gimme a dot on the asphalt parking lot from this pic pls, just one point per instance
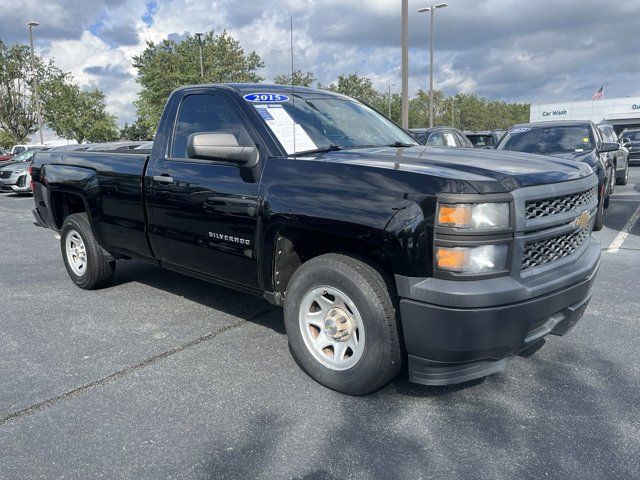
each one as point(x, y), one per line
point(163, 376)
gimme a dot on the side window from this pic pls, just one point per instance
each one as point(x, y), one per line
point(450, 139)
point(206, 114)
point(436, 139)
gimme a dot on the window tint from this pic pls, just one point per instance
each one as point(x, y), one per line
point(206, 114)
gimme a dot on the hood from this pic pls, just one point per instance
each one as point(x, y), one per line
point(589, 157)
point(14, 165)
point(486, 170)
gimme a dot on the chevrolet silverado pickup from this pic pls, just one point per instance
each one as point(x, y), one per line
point(383, 252)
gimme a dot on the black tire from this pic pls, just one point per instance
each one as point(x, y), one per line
point(624, 178)
point(607, 191)
point(374, 297)
point(99, 266)
point(599, 221)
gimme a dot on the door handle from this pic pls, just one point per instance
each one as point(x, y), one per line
point(163, 179)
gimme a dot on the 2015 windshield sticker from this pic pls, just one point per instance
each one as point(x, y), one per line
point(519, 130)
point(266, 98)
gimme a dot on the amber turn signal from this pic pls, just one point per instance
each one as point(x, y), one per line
point(454, 215)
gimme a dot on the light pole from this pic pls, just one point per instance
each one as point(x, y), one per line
point(199, 37)
point(389, 98)
point(35, 79)
point(405, 63)
point(431, 10)
point(453, 109)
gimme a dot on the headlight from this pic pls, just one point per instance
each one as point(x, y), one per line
point(484, 259)
point(19, 172)
point(474, 216)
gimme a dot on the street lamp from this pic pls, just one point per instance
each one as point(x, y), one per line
point(35, 79)
point(199, 37)
point(389, 97)
point(431, 10)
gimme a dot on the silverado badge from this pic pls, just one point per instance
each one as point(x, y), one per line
point(583, 220)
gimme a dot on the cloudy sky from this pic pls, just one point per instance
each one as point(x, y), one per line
point(516, 50)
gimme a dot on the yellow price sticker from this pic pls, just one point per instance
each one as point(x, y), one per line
point(585, 139)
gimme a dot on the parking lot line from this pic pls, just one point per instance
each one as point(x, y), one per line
point(614, 247)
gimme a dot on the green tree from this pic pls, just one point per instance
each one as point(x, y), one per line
point(419, 110)
point(358, 87)
point(6, 139)
point(78, 114)
point(138, 130)
point(167, 65)
point(300, 79)
point(17, 102)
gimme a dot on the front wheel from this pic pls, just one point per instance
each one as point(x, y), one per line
point(87, 264)
point(341, 321)
point(598, 223)
point(624, 178)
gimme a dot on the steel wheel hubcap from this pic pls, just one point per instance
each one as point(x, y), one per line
point(331, 328)
point(76, 253)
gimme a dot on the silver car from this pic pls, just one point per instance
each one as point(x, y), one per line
point(14, 175)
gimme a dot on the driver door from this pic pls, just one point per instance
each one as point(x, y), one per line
point(203, 213)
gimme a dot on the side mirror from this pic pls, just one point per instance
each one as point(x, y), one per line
point(626, 140)
point(608, 147)
point(222, 147)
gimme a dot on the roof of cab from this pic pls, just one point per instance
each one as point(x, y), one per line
point(244, 88)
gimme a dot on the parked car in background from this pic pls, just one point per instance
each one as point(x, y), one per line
point(631, 141)
point(115, 146)
point(441, 137)
point(78, 147)
point(4, 155)
point(620, 157)
point(485, 138)
point(14, 175)
point(16, 149)
point(574, 140)
point(145, 146)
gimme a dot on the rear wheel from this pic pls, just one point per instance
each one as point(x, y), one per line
point(87, 264)
point(342, 325)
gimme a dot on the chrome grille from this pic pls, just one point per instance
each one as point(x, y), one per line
point(551, 249)
point(555, 205)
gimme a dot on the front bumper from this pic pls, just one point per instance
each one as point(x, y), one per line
point(475, 328)
point(7, 184)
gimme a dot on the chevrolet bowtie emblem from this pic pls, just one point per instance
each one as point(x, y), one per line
point(583, 220)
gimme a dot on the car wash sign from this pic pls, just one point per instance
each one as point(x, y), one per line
point(559, 112)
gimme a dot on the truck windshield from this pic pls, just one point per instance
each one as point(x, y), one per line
point(547, 140)
point(304, 122)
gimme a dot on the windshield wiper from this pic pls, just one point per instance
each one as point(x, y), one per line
point(329, 148)
point(402, 144)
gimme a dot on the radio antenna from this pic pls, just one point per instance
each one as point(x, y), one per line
point(293, 97)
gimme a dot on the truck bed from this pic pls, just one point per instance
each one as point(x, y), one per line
point(112, 187)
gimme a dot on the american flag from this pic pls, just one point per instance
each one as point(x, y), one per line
point(599, 93)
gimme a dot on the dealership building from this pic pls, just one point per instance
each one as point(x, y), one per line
point(620, 112)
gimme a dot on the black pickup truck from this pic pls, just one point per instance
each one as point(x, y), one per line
point(381, 251)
